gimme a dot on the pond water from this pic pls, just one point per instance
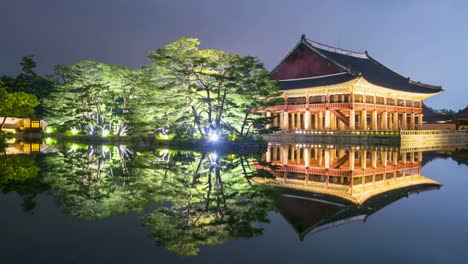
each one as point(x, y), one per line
point(71, 203)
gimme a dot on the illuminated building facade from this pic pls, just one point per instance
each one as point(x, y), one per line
point(327, 88)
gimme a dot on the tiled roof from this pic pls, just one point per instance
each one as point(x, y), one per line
point(356, 64)
point(315, 81)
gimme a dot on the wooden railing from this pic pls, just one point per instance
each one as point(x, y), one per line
point(340, 106)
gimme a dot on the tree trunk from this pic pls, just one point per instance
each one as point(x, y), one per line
point(3, 122)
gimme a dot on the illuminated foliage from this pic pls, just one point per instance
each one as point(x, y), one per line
point(16, 104)
point(91, 97)
point(214, 91)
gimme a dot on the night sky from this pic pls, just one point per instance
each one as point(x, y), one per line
point(426, 40)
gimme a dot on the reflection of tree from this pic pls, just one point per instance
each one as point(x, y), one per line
point(90, 182)
point(18, 174)
point(201, 199)
point(208, 202)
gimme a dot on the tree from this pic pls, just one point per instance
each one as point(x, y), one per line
point(17, 104)
point(215, 90)
point(28, 81)
point(92, 97)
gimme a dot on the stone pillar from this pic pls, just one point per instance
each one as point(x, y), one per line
point(420, 121)
point(327, 119)
point(374, 120)
point(364, 120)
point(285, 121)
point(275, 121)
point(352, 115)
point(351, 160)
point(275, 153)
point(307, 120)
point(404, 121)
point(411, 157)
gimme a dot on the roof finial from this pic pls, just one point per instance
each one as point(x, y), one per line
point(303, 37)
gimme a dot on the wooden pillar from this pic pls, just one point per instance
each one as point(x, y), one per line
point(384, 121)
point(390, 122)
point(363, 156)
point(293, 121)
point(320, 120)
point(268, 114)
point(306, 157)
point(327, 119)
point(327, 158)
point(351, 160)
point(383, 158)
point(285, 121)
point(364, 120)
point(395, 157)
point(299, 121)
point(285, 150)
point(420, 121)
point(374, 158)
point(352, 125)
point(275, 120)
point(341, 125)
point(396, 125)
point(412, 121)
point(316, 121)
point(374, 120)
point(404, 121)
point(307, 120)
point(268, 154)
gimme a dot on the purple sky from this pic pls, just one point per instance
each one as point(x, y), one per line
point(426, 40)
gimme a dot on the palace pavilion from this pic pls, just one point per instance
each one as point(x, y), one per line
point(327, 88)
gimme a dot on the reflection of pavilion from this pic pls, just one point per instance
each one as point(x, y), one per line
point(353, 174)
point(23, 148)
point(326, 186)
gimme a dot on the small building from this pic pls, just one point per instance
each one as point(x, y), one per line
point(14, 124)
point(327, 88)
point(462, 119)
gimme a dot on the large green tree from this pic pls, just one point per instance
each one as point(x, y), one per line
point(214, 91)
point(92, 97)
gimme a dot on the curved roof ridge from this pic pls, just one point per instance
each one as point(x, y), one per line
point(428, 85)
point(362, 55)
point(400, 75)
point(313, 77)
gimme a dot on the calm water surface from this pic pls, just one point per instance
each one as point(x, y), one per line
point(292, 204)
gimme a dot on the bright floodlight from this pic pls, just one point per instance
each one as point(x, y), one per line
point(213, 137)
